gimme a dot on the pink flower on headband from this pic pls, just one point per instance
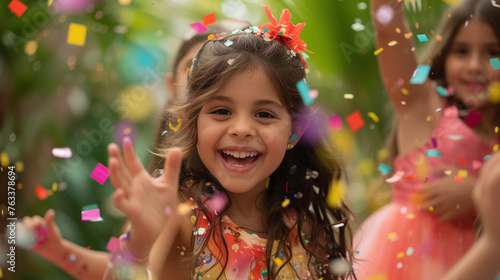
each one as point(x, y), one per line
point(285, 32)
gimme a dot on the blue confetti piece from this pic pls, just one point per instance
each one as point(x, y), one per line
point(433, 153)
point(384, 169)
point(420, 74)
point(228, 43)
point(498, 277)
point(487, 157)
point(304, 92)
point(442, 91)
point(294, 137)
point(495, 62)
point(422, 38)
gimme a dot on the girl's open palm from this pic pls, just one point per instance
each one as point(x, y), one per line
point(143, 198)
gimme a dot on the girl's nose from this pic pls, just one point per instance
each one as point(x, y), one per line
point(242, 127)
point(474, 63)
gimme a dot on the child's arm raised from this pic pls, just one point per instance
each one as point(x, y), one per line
point(144, 199)
point(75, 260)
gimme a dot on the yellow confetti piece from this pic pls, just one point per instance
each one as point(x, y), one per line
point(398, 30)
point(417, 25)
point(391, 235)
point(278, 262)
point(31, 47)
point(210, 37)
point(285, 203)
point(179, 122)
point(124, 2)
point(1, 273)
point(496, 129)
point(187, 72)
point(19, 166)
point(348, 96)
point(495, 148)
point(431, 208)
point(4, 159)
point(54, 186)
point(439, 37)
point(335, 194)
point(494, 92)
point(267, 182)
point(408, 35)
point(20, 186)
point(410, 216)
point(77, 34)
point(392, 43)
point(400, 255)
point(405, 91)
point(382, 154)
point(373, 116)
point(377, 277)
point(462, 173)
point(378, 51)
point(50, 3)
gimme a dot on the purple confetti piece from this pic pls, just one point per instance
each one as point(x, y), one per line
point(434, 142)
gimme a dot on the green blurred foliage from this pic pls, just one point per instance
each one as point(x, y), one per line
point(54, 94)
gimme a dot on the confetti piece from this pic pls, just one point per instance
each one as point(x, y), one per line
point(392, 236)
point(434, 142)
point(384, 14)
point(217, 202)
point(396, 177)
point(198, 27)
point(495, 147)
point(336, 193)
point(455, 137)
point(313, 93)
point(442, 91)
point(77, 34)
point(476, 164)
point(4, 159)
point(100, 173)
point(433, 153)
point(339, 266)
point(392, 43)
point(405, 91)
point(285, 203)
point(304, 92)
point(113, 245)
point(420, 74)
point(355, 121)
point(494, 92)
point(89, 215)
point(168, 211)
point(348, 96)
point(54, 187)
point(183, 209)
point(462, 173)
point(408, 35)
point(373, 116)
point(422, 38)
point(473, 118)
point(378, 51)
point(382, 154)
point(62, 152)
point(179, 122)
point(409, 251)
point(495, 62)
point(400, 255)
point(335, 122)
point(278, 262)
point(17, 7)
point(377, 277)
point(462, 160)
point(384, 169)
point(230, 61)
point(228, 43)
point(41, 192)
point(459, 179)
point(209, 19)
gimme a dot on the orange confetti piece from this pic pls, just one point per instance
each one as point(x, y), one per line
point(459, 179)
point(209, 19)
point(41, 192)
point(408, 35)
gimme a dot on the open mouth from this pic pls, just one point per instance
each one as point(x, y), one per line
point(239, 159)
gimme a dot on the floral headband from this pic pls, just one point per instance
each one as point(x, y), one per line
point(285, 33)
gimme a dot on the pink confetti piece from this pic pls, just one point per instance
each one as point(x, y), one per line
point(476, 164)
point(168, 211)
point(62, 152)
point(113, 245)
point(100, 173)
point(89, 215)
point(216, 202)
point(198, 27)
point(335, 122)
point(384, 14)
point(396, 177)
point(313, 93)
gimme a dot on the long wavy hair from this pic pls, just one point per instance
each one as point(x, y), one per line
point(213, 66)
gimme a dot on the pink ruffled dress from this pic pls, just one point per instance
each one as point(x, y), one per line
point(400, 242)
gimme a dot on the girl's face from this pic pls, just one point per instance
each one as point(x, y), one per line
point(467, 65)
point(243, 132)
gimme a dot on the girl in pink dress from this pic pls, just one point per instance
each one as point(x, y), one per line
point(446, 126)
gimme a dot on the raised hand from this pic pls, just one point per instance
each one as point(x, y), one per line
point(47, 241)
point(449, 199)
point(141, 197)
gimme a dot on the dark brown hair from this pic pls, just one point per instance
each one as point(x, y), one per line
point(210, 71)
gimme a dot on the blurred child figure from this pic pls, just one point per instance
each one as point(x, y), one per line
point(248, 198)
point(445, 126)
point(78, 261)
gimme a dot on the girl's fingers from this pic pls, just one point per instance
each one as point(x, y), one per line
point(114, 152)
point(133, 162)
point(120, 201)
point(118, 181)
point(172, 167)
point(52, 228)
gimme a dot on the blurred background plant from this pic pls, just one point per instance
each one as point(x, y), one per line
point(105, 78)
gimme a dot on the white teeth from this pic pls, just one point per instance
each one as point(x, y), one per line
point(240, 154)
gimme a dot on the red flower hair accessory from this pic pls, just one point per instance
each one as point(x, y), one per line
point(285, 32)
